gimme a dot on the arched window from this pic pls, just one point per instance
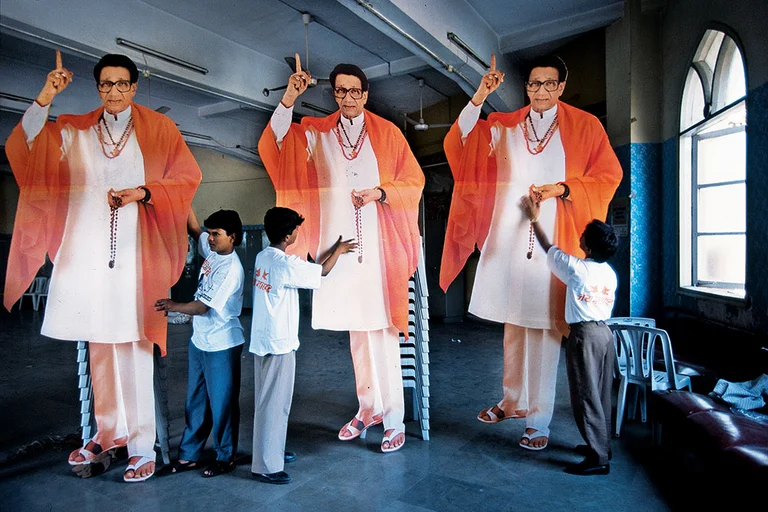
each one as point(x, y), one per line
point(713, 169)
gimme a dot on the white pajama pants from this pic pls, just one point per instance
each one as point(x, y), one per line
point(378, 377)
point(124, 395)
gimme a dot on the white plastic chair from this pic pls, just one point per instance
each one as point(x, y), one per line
point(37, 286)
point(621, 360)
point(43, 294)
point(632, 320)
point(637, 344)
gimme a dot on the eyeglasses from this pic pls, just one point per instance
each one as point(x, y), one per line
point(549, 85)
point(122, 85)
point(341, 93)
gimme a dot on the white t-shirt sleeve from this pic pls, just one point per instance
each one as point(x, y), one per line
point(303, 274)
point(33, 121)
point(468, 118)
point(563, 265)
point(202, 245)
point(281, 121)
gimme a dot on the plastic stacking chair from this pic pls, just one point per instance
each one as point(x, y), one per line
point(43, 293)
point(637, 344)
point(621, 359)
point(632, 320)
point(34, 291)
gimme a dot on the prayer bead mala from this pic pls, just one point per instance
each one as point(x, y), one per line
point(356, 147)
point(117, 146)
point(359, 227)
point(542, 143)
point(531, 236)
point(117, 202)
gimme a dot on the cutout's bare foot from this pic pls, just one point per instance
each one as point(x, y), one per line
point(496, 414)
point(355, 427)
point(85, 454)
point(91, 450)
point(393, 440)
point(534, 439)
point(139, 469)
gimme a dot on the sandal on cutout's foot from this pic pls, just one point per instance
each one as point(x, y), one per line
point(355, 427)
point(135, 468)
point(89, 452)
point(528, 437)
point(389, 438)
point(496, 414)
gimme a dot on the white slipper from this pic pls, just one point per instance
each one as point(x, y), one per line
point(355, 431)
point(528, 436)
point(88, 455)
point(134, 467)
point(389, 439)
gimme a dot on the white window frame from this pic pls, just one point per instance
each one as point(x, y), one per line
point(695, 127)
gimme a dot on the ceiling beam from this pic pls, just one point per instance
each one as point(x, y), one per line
point(423, 31)
point(396, 68)
point(221, 107)
point(560, 28)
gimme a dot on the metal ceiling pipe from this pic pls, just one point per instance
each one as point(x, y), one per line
point(448, 67)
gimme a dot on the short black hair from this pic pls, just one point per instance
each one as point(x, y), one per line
point(349, 69)
point(548, 61)
point(601, 240)
point(229, 221)
point(280, 222)
point(116, 60)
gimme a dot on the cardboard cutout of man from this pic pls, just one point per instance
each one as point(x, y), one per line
point(106, 196)
point(352, 173)
point(561, 157)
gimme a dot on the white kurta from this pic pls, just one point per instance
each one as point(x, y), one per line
point(351, 297)
point(86, 299)
point(508, 287)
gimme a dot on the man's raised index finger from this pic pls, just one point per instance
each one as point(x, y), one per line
point(58, 60)
point(298, 63)
point(493, 62)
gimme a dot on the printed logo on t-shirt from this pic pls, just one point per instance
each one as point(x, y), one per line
point(260, 281)
point(597, 296)
point(205, 282)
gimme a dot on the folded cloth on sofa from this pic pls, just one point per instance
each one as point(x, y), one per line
point(742, 395)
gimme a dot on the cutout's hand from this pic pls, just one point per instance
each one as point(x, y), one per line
point(56, 81)
point(490, 82)
point(120, 198)
point(361, 198)
point(297, 84)
point(547, 191)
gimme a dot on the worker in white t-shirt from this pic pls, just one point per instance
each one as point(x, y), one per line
point(589, 353)
point(213, 384)
point(277, 278)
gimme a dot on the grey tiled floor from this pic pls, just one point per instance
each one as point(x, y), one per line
point(466, 465)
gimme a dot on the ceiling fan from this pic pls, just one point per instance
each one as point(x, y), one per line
point(421, 125)
point(306, 18)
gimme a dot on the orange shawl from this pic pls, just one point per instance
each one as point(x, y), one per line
point(592, 172)
point(172, 176)
point(296, 183)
